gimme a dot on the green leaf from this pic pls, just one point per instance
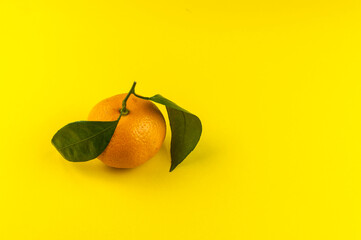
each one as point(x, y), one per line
point(186, 130)
point(84, 140)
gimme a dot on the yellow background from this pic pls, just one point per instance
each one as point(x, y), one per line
point(276, 84)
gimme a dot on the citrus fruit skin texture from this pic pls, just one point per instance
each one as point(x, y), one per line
point(138, 136)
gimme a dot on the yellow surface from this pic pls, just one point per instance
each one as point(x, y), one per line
point(276, 84)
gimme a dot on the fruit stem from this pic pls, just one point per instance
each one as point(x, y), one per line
point(124, 111)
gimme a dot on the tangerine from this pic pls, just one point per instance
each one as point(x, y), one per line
point(138, 136)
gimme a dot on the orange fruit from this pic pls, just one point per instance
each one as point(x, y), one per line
point(138, 135)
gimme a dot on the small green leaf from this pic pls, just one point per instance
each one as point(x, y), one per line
point(84, 140)
point(186, 130)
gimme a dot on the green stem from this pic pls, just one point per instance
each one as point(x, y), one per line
point(138, 96)
point(124, 111)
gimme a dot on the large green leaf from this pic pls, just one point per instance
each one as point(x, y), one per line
point(84, 140)
point(186, 130)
